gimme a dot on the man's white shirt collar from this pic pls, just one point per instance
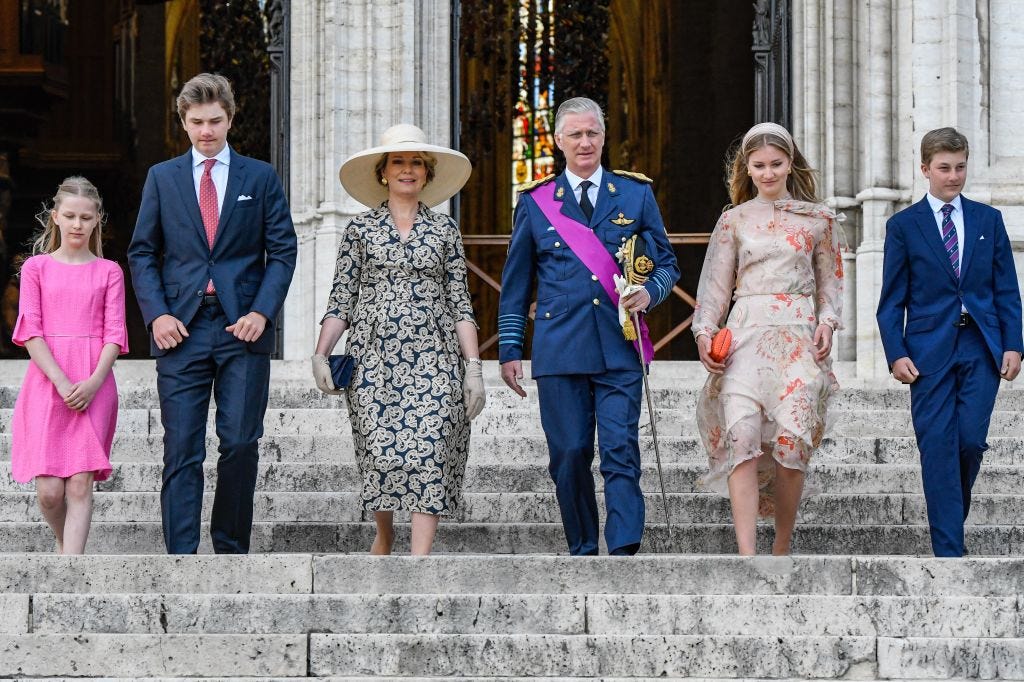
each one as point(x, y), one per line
point(937, 204)
point(224, 156)
point(575, 180)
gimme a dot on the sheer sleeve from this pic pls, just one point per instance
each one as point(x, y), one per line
point(457, 285)
point(828, 275)
point(717, 277)
point(349, 266)
point(30, 312)
point(114, 328)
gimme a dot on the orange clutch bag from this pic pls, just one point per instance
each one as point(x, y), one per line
point(720, 345)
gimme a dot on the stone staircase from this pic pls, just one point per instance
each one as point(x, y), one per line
point(497, 600)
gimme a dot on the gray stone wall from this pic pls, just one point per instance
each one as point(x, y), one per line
point(357, 69)
point(870, 78)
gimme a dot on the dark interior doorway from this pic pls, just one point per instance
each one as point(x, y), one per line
point(677, 79)
point(88, 88)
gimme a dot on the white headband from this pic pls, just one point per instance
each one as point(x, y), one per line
point(769, 128)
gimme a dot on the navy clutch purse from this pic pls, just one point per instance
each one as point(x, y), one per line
point(341, 369)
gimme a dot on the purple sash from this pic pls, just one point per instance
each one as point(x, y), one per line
point(589, 249)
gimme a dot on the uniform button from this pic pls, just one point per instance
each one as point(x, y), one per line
point(199, 293)
point(547, 314)
point(623, 240)
point(557, 244)
point(211, 261)
point(593, 277)
point(597, 302)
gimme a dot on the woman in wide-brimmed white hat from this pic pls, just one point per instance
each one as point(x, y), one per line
point(400, 287)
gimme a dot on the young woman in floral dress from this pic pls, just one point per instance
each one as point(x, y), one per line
point(775, 254)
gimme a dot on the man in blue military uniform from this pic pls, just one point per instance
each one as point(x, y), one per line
point(587, 373)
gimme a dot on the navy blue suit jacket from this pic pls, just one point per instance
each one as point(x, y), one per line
point(572, 335)
point(921, 295)
point(253, 254)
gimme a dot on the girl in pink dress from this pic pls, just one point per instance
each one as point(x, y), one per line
point(71, 321)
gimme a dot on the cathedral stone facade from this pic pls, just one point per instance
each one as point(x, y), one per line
point(867, 80)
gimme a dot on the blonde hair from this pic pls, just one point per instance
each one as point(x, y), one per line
point(48, 240)
point(800, 183)
point(943, 140)
point(203, 89)
point(429, 160)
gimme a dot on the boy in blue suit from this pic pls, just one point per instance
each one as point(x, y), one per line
point(950, 320)
point(587, 373)
point(211, 258)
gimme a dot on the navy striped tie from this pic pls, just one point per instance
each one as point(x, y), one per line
point(949, 238)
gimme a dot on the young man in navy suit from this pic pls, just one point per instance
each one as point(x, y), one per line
point(950, 321)
point(211, 259)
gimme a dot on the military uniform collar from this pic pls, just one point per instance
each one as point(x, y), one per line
point(575, 180)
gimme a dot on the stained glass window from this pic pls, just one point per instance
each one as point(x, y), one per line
point(533, 139)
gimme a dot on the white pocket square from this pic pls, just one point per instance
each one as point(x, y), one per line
point(243, 197)
point(550, 229)
point(981, 237)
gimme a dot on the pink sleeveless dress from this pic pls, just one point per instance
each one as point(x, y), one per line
point(76, 309)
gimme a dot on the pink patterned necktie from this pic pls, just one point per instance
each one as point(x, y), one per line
point(208, 208)
point(949, 239)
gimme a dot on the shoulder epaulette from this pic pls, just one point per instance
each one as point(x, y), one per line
point(533, 184)
point(639, 177)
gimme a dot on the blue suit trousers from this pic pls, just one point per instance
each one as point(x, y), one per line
point(951, 410)
point(570, 408)
point(210, 357)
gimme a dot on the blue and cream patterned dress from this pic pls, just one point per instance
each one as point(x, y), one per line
point(402, 300)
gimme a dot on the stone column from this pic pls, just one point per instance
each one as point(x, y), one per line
point(877, 194)
point(824, 83)
point(358, 67)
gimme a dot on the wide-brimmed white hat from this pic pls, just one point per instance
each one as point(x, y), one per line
point(450, 173)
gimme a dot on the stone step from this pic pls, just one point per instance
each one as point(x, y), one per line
point(519, 538)
point(825, 477)
point(591, 655)
point(224, 574)
point(173, 658)
point(96, 655)
point(305, 507)
point(533, 449)
point(302, 614)
point(644, 574)
point(857, 423)
point(321, 421)
point(666, 392)
point(563, 614)
point(668, 656)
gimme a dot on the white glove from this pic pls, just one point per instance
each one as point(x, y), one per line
point(322, 376)
point(624, 289)
point(473, 390)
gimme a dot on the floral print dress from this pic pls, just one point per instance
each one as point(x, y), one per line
point(402, 300)
point(781, 264)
